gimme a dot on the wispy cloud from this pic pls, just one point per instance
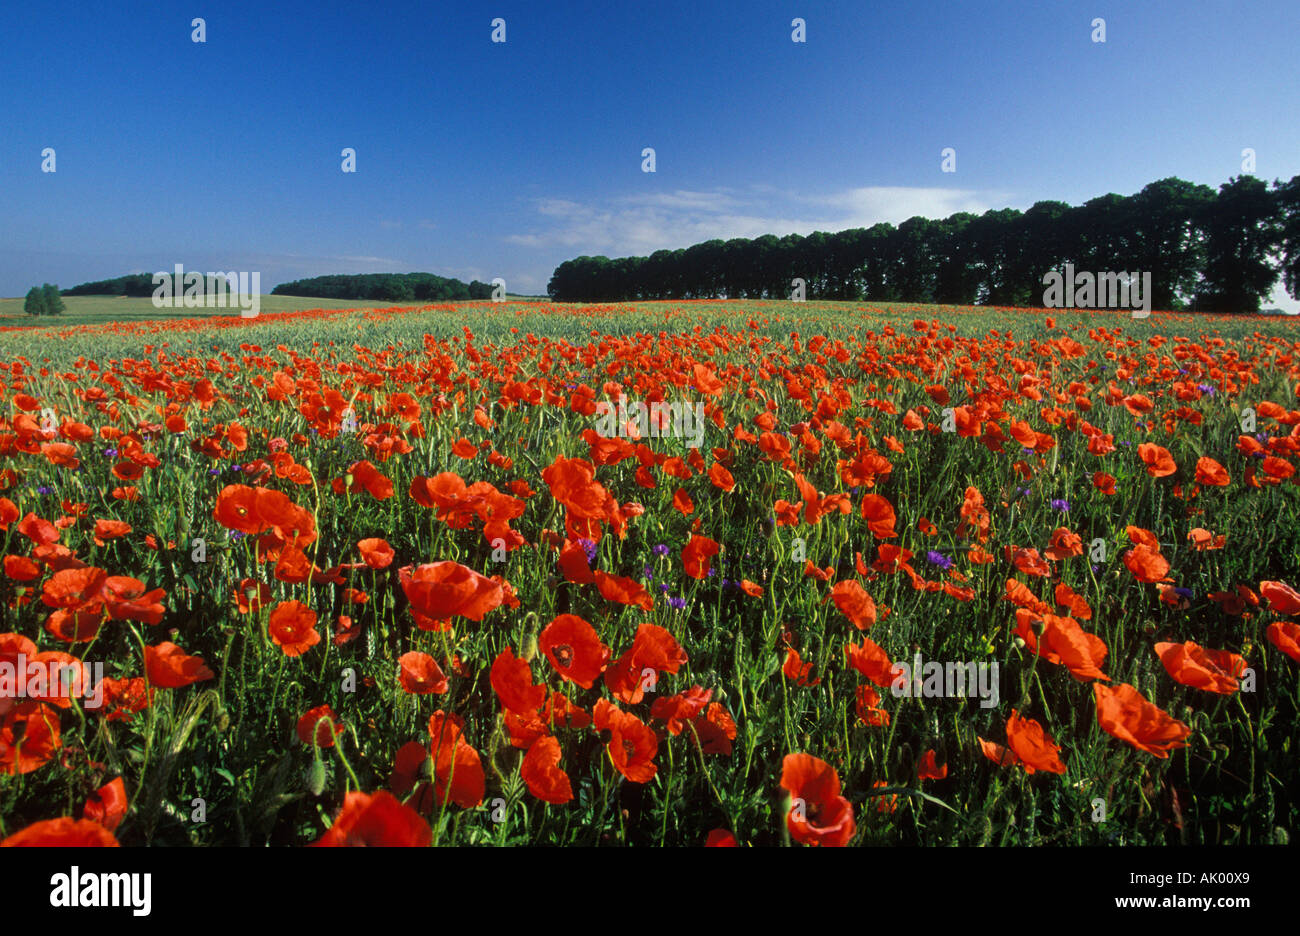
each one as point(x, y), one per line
point(643, 223)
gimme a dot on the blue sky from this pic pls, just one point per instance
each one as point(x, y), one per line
point(478, 159)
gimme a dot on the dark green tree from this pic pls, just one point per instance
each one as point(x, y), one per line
point(34, 304)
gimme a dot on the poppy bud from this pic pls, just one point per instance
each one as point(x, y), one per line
point(529, 649)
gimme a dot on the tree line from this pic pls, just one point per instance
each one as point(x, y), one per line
point(395, 287)
point(1207, 251)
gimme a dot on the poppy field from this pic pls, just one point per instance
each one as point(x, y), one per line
point(386, 577)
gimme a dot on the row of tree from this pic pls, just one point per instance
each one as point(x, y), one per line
point(44, 300)
point(395, 287)
point(134, 284)
point(1206, 250)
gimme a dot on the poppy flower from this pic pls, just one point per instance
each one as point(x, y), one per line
point(512, 680)
point(378, 819)
point(623, 590)
point(168, 667)
point(928, 768)
point(252, 596)
point(696, 555)
point(678, 709)
point(796, 670)
point(541, 771)
point(321, 723)
point(64, 832)
point(654, 651)
point(632, 744)
point(1159, 462)
point(721, 478)
point(1104, 483)
point(376, 553)
point(867, 706)
point(21, 569)
point(854, 603)
point(110, 530)
point(818, 815)
point(574, 649)
point(1064, 544)
point(107, 805)
point(1123, 712)
point(1285, 635)
point(713, 729)
point(439, 590)
point(292, 627)
point(420, 674)
point(1282, 598)
point(720, 838)
point(1146, 564)
point(1211, 670)
point(1210, 473)
point(128, 599)
point(1033, 745)
point(871, 661)
point(29, 736)
point(458, 770)
point(236, 509)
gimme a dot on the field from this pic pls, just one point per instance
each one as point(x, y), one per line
point(103, 310)
point(394, 575)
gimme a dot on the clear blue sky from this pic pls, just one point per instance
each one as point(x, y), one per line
point(477, 159)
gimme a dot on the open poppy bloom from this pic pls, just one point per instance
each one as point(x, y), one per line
point(1193, 665)
point(1033, 745)
point(1146, 564)
point(168, 667)
point(574, 649)
point(696, 555)
point(818, 814)
point(420, 674)
point(854, 603)
point(1159, 462)
point(378, 819)
point(439, 590)
point(107, 805)
point(64, 832)
point(1123, 712)
point(623, 590)
point(512, 680)
point(541, 771)
point(1285, 635)
point(292, 627)
point(320, 723)
point(632, 743)
point(29, 736)
point(458, 770)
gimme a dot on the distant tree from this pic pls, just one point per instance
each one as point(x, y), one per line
point(35, 302)
point(53, 301)
point(1288, 198)
point(1243, 230)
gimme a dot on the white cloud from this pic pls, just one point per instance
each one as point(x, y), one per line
point(644, 223)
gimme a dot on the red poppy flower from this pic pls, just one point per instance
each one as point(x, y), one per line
point(871, 661)
point(321, 723)
point(1033, 745)
point(65, 832)
point(1282, 598)
point(1146, 564)
point(420, 674)
point(1193, 665)
point(623, 590)
point(1123, 712)
point(541, 771)
point(1104, 483)
point(574, 649)
point(512, 680)
point(379, 819)
point(292, 627)
point(439, 590)
point(29, 736)
point(107, 805)
point(854, 603)
point(818, 815)
point(168, 667)
point(654, 651)
point(720, 838)
point(1210, 473)
point(796, 670)
point(1159, 462)
point(928, 767)
point(1285, 635)
point(632, 744)
point(458, 770)
point(696, 555)
point(376, 553)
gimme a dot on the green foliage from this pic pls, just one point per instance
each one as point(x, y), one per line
point(53, 301)
point(35, 303)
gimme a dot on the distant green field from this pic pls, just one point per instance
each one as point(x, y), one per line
point(94, 310)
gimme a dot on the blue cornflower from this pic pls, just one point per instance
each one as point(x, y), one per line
point(661, 550)
point(589, 547)
point(677, 603)
point(1058, 504)
point(44, 490)
point(647, 573)
point(938, 559)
